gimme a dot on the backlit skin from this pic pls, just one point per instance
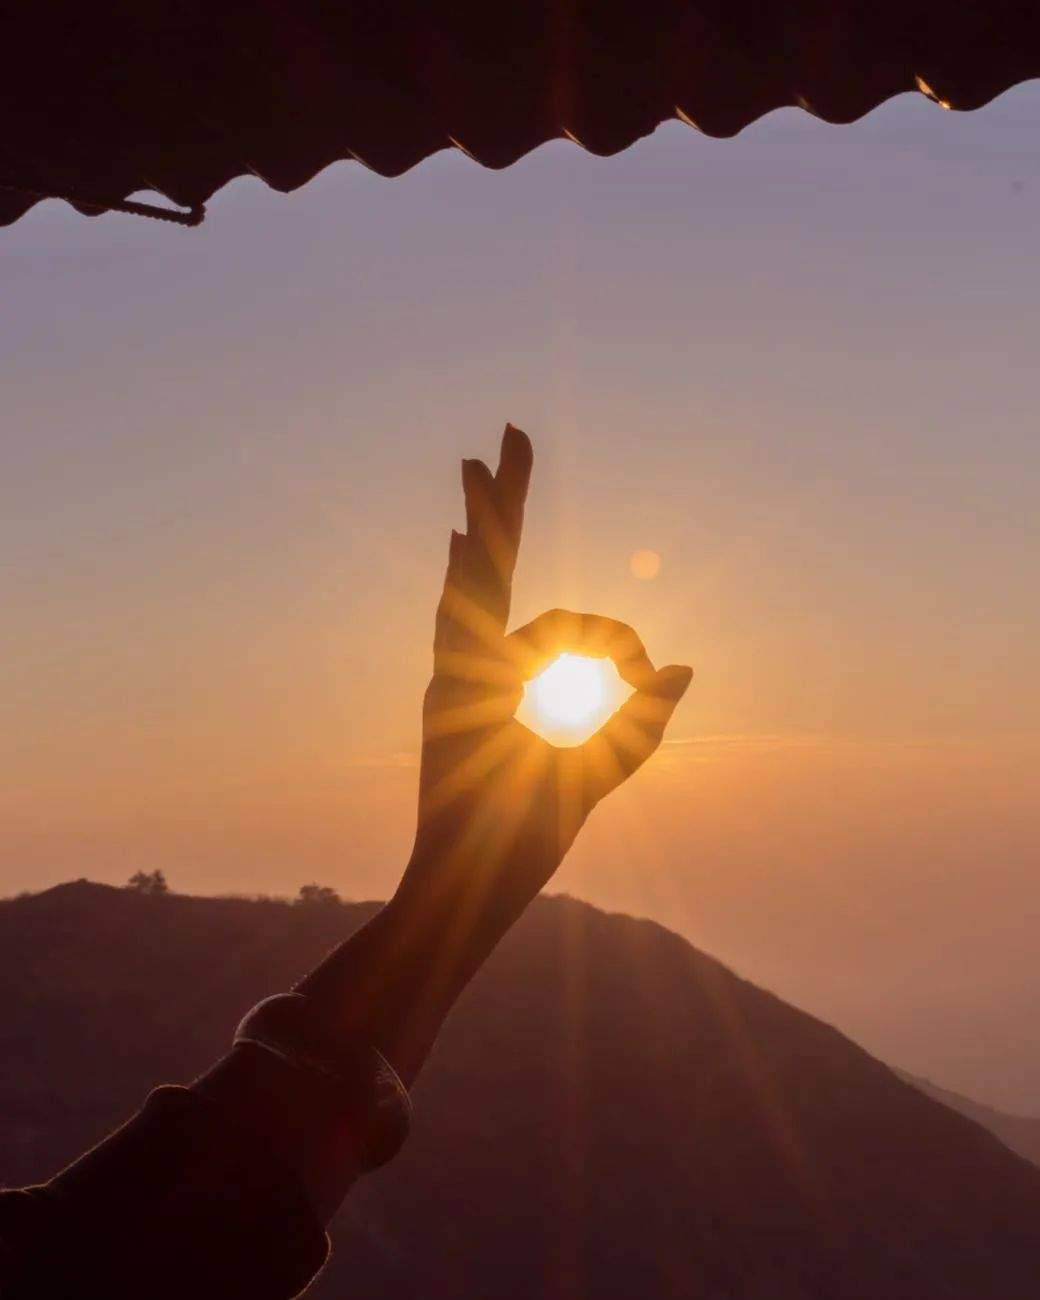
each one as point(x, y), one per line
point(499, 806)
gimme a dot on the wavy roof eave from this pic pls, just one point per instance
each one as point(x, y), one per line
point(189, 94)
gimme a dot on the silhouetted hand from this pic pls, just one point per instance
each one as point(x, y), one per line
point(499, 806)
point(498, 809)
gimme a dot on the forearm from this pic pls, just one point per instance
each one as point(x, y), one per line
point(202, 1172)
point(389, 986)
point(394, 981)
point(281, 1109)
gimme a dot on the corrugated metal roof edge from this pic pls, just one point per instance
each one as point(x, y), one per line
point(15, 203)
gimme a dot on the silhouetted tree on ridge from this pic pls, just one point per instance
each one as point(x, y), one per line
point(148, 882)
point(314, 894)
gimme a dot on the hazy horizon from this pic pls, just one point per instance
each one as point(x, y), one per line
point(799, 365)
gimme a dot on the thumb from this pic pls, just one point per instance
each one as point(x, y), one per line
point(636, 730)
point(671, 682)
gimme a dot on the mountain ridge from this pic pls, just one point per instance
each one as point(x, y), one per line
point(1019, 1133)
point(609, 1112)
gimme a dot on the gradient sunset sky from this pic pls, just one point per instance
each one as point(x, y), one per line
point(799, 365)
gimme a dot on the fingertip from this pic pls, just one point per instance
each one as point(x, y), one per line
point(674, 680)
point(516, 437)
point(517, 455)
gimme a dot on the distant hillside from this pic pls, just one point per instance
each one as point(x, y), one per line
point(1019, 1132)
point(610, 1114)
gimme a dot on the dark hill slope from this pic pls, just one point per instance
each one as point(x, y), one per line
point(1019, 1132)
point(609, 1114)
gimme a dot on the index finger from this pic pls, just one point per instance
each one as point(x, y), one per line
point(627, 740)
point(512, 480)
point(539, 642)
point(474, 608)
point(494, 521)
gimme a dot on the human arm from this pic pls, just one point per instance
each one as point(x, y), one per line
point(498, 806)
point(258, 1153)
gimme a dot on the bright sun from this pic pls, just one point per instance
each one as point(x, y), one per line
point(571, 699)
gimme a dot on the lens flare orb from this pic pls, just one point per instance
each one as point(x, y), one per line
point(644, 565)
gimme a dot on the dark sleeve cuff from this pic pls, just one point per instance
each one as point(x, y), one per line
point(177, 1202)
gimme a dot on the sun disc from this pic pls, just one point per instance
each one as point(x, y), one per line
point(571, 699)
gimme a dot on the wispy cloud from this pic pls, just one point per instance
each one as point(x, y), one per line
point(753, 741)
point(401, 759)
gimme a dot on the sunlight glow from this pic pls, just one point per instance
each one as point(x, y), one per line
point(571, 699)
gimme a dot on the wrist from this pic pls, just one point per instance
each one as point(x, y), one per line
point(352, 1075)
point(388, 985)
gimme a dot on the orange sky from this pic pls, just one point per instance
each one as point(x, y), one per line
point(799, 365)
